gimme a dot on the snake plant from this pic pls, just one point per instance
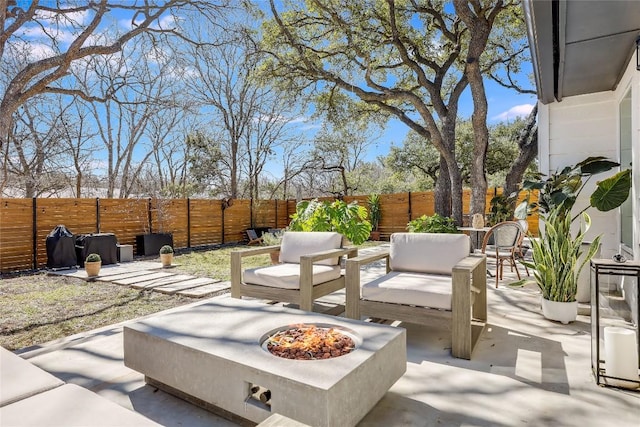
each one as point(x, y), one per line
point(556, 256)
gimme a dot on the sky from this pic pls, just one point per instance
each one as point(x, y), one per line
point(504, 105)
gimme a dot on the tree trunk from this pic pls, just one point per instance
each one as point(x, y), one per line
point(479, 28)
point(528, 145)
point(451, 169)
point(442, 193)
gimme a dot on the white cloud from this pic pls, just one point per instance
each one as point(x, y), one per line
point(310, 127)
point(299, 119)
point(522, 110)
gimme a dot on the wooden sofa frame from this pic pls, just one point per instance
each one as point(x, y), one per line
point(305, 295)
point(468, 313)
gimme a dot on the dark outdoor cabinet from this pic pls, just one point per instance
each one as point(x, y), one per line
point(150, 244)
point(61, 248)
point(103, 244)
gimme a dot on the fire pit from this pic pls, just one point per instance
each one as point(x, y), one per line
point(215, 355)
point(309, 342)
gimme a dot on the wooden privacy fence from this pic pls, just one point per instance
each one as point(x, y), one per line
point(25, 223)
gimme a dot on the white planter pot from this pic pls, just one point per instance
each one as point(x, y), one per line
point(563, 312)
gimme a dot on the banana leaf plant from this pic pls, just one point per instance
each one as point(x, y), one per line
point(350, 220)
point(556, 252)
point(561, 189)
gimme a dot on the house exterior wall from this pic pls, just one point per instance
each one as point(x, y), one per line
point(588, 125)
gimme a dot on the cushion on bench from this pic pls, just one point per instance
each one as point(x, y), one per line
point(70, 406)
point(418, 289)
point(298, 243)
point(432, 253)
point(287, 276)
point(20, 379)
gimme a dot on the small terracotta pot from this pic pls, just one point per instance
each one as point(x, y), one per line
point(275, 257)
point(92, 268)
point(166, 259)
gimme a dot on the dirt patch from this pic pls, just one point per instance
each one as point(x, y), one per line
point(35, 309)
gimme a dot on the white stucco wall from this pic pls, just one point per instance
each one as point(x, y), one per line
point(588, 125)
point(574, 129)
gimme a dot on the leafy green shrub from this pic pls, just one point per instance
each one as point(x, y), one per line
point(350, 220)
point(93, 258)
point(166, 249)
point(272, 238)
point(432, 224)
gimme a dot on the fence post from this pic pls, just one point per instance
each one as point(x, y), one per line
point(251, 212)
point(409, 210)
point(149, 215)
point(222, 206)
point(276, 226)
point(97, 214)
point(34, 236)
point(188, 222)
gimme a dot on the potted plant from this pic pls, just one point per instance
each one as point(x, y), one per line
point(558, 255)
point(273, 238)
point(557, 264)
point(92, 264)
point(375, 214)
point(435, 223)
point(350, 220)
point(166, 255)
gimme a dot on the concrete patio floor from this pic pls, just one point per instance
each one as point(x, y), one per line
point(526, 370)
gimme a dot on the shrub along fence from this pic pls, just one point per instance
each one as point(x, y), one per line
point(25, 223)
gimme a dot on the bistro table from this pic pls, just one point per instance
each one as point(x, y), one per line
point(477, 243)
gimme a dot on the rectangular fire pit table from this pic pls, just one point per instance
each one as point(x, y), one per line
point(212, 355)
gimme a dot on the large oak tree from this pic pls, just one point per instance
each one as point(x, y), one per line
point(412, 59)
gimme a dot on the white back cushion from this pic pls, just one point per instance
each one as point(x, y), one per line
point(435, 253)
point(298, 243)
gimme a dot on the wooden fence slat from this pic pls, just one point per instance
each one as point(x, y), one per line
point(209, 223)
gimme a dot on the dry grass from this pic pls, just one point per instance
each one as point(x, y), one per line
point(39, 308)
point(216, 263)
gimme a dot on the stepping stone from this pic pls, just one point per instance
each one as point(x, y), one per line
point(192, 282)
point(142, 278)
point(205, 290)
point(124, 276)
point(113, 270)
point(162, 281)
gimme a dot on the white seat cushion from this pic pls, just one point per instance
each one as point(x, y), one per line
point(423, 290)
point(490, 251)
point(70, 406)
point(298, 243)
point(19, 379)
point(432, 253)
point(287, 276)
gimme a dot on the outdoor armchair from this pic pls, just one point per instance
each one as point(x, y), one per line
point(309, 268)
point(253, 237)
point(429, 276)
